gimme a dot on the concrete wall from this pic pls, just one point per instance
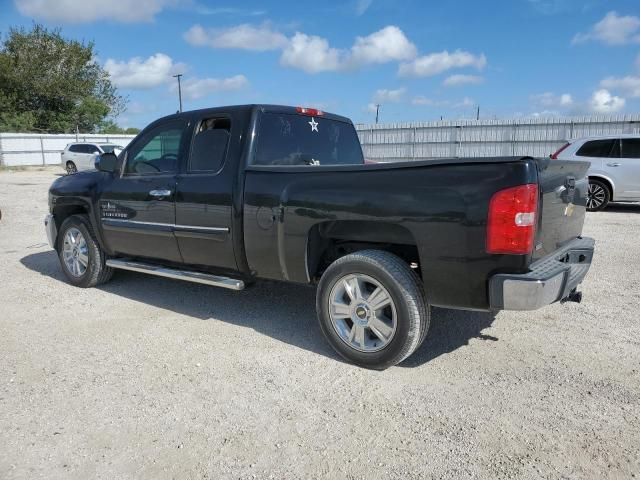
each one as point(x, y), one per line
point(40, 149)
point(484, 138)
point(389, 142)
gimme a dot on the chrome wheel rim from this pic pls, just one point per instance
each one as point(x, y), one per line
point(75, 252)
point(595, 196)
point(71, 168)
point(362, 313)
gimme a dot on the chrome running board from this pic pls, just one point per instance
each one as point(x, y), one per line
point(189, 276)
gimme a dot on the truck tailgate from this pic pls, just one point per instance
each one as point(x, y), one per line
point(564, 186)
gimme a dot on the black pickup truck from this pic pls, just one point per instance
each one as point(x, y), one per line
point(226, 196)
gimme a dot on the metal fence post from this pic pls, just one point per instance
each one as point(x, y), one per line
point(42, 151)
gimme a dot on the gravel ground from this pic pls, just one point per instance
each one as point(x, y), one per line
point(153, 378)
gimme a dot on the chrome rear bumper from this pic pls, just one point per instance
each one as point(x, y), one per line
point(550, 279)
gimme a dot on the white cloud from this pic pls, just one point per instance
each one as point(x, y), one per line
point(613, 29)
point(140, 73)
point(311, 54)
point(436, 63)
point(549, 99)
point(386, 96)
point(245, 37)
point(362, 6)
point(386, 45)
point(84, 11)
point(195, 88)
point(466, 102)
point(630, 85)
point(457, 80)
point(603, 102)
point(372, 107)
point(422, 100)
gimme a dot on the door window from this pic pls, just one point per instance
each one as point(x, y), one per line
point(210, 144)
point(75, 148)
point(596, 148)
point(156, 152)
point(630, 148)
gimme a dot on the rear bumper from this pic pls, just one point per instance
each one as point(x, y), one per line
point(551, 278)
point(52, 231)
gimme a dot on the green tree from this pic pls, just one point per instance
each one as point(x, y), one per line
point(53, 84)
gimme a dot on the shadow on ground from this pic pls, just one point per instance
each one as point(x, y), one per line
point(621, 207)
point(280, 310)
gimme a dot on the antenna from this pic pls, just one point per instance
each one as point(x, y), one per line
point(178, 76)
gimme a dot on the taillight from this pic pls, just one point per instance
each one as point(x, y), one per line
point(511, 225)
point(554, 156)
point(314, 112)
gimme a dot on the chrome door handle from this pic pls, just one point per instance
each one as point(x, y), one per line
point(160, 193)
point(615, 164)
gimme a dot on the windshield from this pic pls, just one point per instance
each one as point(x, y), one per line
point(288, 139)
point(111, 148)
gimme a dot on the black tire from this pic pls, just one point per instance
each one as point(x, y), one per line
point(96, 271)
point(599, 195)
point(71, 168)
point(405, 289)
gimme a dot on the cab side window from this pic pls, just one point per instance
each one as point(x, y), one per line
point(156, 152)
point(210, 144)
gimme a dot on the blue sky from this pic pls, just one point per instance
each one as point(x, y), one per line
point(419, 59)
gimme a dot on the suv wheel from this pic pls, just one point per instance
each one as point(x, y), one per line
point(71, 168)
point(598, 196)
point(82, 259)
point(372, 309)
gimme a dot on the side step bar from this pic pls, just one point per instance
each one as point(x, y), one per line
point(196, 277)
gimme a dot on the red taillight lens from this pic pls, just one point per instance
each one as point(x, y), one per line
point(511, 225)
point(554, 156)
point(314, 112)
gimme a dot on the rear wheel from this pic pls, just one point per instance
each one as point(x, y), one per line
point(81, 257)
point(371, 308)
point(598, 196)
point(71, 168)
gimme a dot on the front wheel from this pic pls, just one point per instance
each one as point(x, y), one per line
point(81, 257)
point(71, 168)
point(372, 309)
point(598, 196)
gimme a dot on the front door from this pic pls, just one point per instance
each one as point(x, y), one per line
point(137, 208)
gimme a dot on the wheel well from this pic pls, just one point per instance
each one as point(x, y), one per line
point(332, 240)
point(61, 213)
point(606, 182)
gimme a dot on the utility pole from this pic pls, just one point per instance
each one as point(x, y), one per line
point(377, 111)
point(178, 76)
point(478, 113)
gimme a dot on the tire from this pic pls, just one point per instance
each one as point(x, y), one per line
point(356, 318)
point(598, 196)
point(71, 168)
point(86, 246)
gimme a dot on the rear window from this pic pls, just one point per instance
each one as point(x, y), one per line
point(596, 148)
point(289, 139)
point(630, 148)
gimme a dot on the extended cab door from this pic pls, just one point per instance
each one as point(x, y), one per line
point(204, 194)
point(137, 209)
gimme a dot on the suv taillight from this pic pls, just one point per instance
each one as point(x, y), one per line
point(554, 156)
point(511, 224)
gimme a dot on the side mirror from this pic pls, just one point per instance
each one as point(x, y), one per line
point(107, 162)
